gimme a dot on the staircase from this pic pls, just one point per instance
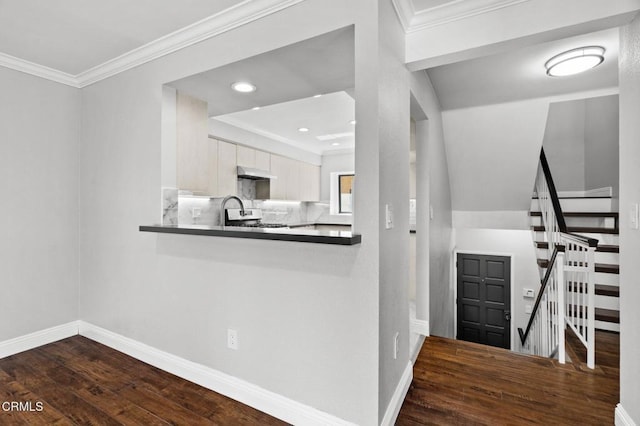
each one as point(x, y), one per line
point(590, 217)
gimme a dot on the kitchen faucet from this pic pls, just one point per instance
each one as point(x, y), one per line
point(224, 202)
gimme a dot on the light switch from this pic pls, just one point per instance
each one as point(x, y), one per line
point(633, 216)
point(431, 212)
point(388, 214)
point(528, 292)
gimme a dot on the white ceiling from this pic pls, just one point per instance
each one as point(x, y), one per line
point(287, 79)
point(327, 117)
point(520, 74)
point(75, 35)
point(323, 64)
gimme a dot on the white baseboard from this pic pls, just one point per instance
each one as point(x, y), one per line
point(247, 393)
point(39, 338)
point(393, 409)
point(420, 327)
point(622, 417)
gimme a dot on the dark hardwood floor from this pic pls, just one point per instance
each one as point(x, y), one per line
point(79, 381)
point(461, 383)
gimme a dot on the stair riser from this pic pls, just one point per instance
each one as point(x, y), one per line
point(605, 302)
point(601, 257)
point(594, 222)
point(609, 326)
point(580, 205)
point(610, 239)
point(604, 257)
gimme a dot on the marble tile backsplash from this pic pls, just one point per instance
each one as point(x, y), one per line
point(282, 211)
point(202, 210)
point(207, 210)
point(169, 206)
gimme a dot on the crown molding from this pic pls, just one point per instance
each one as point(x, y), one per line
point(405, 11)
point(226, 20)
point(243, 13)
point(455, 10)
point(37, 70)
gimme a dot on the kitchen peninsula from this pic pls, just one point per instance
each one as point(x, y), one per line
point(296, 234)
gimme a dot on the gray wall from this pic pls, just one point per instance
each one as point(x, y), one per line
point(39, 132)
point(478, 140)
point(601, 139)
point(564, 144)
point(629, 238)
point(319, 317)
point(581, 143)
point(392, 105)
point(433, 190)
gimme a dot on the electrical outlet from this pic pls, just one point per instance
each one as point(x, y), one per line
point(196, 212)
point(528, 309)
point(232, 339)
point(396, 340)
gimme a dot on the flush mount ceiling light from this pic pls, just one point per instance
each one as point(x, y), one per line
point(255, 108)
point(335, 144)
point(352, 122)
point(243, 87)
point(303, 129)
point(575, 61)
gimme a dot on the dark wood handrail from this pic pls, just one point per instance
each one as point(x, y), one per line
point(543, 286)
point(555, 202)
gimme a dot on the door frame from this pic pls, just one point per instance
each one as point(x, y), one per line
point(454, 274)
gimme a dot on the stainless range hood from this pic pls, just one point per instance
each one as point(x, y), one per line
point(255, 174)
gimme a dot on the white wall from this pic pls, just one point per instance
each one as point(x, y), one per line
point(517, 243)
point(39, 129)
point(332, 163)
point(629, 238)
point(306, 315)
point(433, 252)
point(564, 144)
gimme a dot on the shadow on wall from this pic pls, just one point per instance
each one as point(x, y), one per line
point(311, 258)
point(581, 142)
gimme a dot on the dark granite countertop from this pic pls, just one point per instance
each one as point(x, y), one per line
point(303, 224)
point(278, 234)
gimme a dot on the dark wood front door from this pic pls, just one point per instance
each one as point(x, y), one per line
point(484, 299)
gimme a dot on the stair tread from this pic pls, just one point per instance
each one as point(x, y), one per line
point(607, 315)
point(606, 248)
point(602, 314)
point(580, 214)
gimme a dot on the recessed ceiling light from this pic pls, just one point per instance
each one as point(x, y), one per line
point(255, 108)
point(303, 129)
point(352, 122)
point(335, 144)
point(243, 87)
point(575, 61)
